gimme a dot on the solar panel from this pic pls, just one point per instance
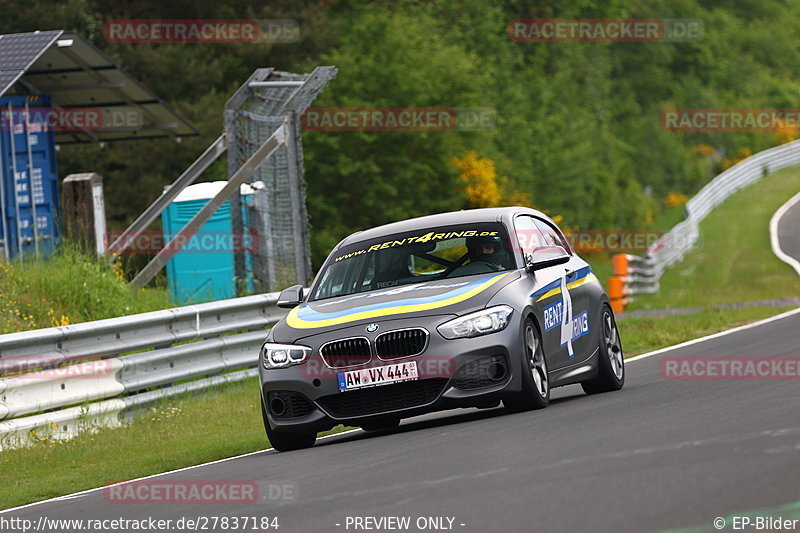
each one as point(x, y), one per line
point(82, 79)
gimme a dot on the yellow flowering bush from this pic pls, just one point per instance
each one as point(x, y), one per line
point(785, 134)
point(728, 162)
point(675, 199)
point(482, 185)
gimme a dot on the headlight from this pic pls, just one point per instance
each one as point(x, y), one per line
point(479, 323)
point(283, 355)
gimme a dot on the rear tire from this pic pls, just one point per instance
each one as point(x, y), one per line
point(611, 361)
point(288, 441)
point(535, 393)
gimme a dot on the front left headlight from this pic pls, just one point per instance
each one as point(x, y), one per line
point(283, 355)
point(479, 323)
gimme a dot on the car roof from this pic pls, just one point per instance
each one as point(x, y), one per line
point(466, 216)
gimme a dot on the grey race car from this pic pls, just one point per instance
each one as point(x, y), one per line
point(463, 309)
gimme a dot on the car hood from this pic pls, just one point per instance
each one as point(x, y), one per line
point(448, 296)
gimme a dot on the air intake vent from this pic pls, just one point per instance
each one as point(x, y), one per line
point(401, 343)
point(285, 404)
point(480, 373)
point(346, 352)
point(377, 400)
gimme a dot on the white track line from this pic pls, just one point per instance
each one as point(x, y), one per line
point(776, 249)
point(773, 225)
point(773, 234)
point(88, 491)
point(714, 335)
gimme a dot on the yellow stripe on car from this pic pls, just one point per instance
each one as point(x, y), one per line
point(575, 284)
point(298, 323)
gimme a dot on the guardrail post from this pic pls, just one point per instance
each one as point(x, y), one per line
point(617, 293)
point(620, 264)
point(619, 288)
point(84, 211)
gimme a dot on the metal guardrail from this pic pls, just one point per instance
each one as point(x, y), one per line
point(646, 271)
point(49, 377)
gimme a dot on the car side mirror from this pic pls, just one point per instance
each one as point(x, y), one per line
point(545, 257)
point(291, 297)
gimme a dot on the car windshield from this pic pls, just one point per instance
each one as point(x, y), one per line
point(414, 257)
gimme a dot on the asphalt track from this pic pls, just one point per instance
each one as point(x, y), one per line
point(788, 229)
point(659, 455)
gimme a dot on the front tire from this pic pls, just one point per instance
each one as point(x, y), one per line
point(611, 363)
point(286, 442)
point(535, 393)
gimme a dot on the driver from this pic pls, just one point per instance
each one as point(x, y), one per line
point(487, 250)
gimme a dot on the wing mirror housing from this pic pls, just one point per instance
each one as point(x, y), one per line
point(291, 297)
point(546, 257)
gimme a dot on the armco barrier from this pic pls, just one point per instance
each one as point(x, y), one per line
point(38, 391)
point(66, 423)
point(63, 369)
point(631, 274)
point(634, 274)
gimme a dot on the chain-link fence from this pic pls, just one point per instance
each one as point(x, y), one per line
point(275, 214)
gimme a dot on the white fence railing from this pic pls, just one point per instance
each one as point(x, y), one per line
point(673, 245)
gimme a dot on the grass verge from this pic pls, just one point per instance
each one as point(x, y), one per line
point(67, 288)
point(733, 260)
point(184, 431)
point(644, 334)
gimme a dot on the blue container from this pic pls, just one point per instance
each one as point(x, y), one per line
point(203, 270)
point(22, 197)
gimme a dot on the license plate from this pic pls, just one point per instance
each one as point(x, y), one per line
point(376, 376)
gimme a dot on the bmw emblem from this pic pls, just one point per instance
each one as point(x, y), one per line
point(372, 328)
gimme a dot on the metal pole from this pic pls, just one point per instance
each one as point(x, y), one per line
point(30, 180)
point(297, 83)
point(129, 236)
point(295, 193)
point(14, 182)
point(179, 240)
point(3, 205)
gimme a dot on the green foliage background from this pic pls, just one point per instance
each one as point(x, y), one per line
point(578, 124)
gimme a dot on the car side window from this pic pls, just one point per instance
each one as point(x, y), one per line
point(529, 237)
point(552, 236)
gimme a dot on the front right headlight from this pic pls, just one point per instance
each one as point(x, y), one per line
point(283, 355)
point(479, 323)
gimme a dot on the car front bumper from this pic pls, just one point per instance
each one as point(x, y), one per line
point(452, 373)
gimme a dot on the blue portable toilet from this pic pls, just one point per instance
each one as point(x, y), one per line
point(29, 197)
point(203, 270)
